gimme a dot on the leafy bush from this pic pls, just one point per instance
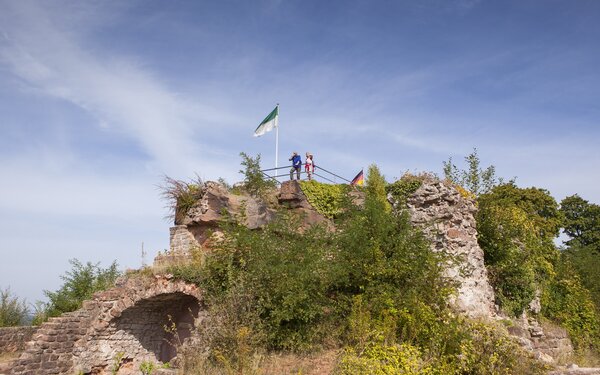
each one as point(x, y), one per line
point(581, 223)
point(147, 367)
point(586, 263)
point(190, 270)
point(327, 199)
point(403, 359)
point(569, 303)
point(488, 350)
point(13, 310)
point(301, 284)
point(472, 347)
point(282, 271)
point(80, 283)
point(404, 188)
point(516, 229)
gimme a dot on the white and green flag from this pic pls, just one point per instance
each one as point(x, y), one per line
point(269, 123)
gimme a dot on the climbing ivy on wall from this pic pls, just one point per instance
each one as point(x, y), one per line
point(325, 198)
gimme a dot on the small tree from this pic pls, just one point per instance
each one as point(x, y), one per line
point(254, 181)
point(474, 178)
point(376, 188)
point(13, 311)
point(80, 283)
point(581, 222)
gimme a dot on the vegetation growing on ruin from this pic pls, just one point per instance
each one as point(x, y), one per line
point(13, 310)
point(256, 182)
point(180, 196)
point(327, 199)
point(517, 228)
point(79, 284)
point(474, 178)
point(403, 188)
point(372, 287)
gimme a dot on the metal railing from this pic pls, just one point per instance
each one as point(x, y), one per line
point(331, 177)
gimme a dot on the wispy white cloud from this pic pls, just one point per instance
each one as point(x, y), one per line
point(124, 96)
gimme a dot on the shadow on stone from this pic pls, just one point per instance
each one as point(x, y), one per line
point(144, 329)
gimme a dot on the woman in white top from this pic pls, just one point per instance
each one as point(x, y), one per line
point(309, 166)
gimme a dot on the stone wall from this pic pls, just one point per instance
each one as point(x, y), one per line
point(549, 342)
point(128, 319)
point(13, 339)
point(182, 243)
point(181, 240)
point(200, 224)
point(447, 219)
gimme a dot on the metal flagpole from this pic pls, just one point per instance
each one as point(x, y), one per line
point(277, 139)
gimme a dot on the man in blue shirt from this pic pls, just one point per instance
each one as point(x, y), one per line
point(296, 165)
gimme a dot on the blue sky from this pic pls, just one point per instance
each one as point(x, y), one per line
point(100, 99)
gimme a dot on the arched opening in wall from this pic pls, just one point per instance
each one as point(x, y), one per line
point(145, 329)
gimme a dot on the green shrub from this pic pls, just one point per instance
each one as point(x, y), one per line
point(516, 228)
point(586, 262)
point(191, 271)
point(567, 302)
point(516, 231)
point(489, 351)
point(147, 367)
point(80, 283)
point(404, 188)
point(13, 310)
point(282, 271)
point(472, 347)
point(382, 359)
point(327, 199)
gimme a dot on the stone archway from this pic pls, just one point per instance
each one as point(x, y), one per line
point(128, 320)
point(154, 327)
point(139, 321)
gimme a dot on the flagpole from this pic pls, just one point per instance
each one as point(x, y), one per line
point(277, 140)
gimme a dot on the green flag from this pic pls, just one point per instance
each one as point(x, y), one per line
point(269, 123)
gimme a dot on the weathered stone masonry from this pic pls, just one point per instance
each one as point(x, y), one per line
point(13, 339)
point(129, 318)
point(447, 218)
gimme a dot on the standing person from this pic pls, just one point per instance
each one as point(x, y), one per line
point(309, 166)
point(296, 165)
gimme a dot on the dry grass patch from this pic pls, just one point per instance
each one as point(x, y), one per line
point(322, 363)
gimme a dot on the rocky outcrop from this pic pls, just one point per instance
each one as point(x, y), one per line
point(447, 219)
point(196, 228)
point(200, 225)
point(291, 196)
point(216, 200)
point(127, 319)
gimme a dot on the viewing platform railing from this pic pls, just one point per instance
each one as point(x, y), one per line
point(331, 177)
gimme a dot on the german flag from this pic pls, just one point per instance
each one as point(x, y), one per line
point(359, 179)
